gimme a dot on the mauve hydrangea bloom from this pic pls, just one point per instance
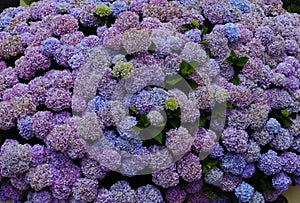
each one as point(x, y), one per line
point(160, 158)
point(253, 152)
point(40, 176)
point(167, 177)
point(59, 137)
point(42, 123)
point(235, 140)
point(244, 192)
point(85, 190)
point(269, 163)
point(63, 24)
point(58, 99)
point(281, 181)
point(238, 118)
point(214, 176)
point(92, 169)
point(122, 192)
point(229, 182)
point(189, 168)
point(204, 140)
point(175, 195)
point(233, 163)
point(179, 141)
point(149, 193)
point(111, 159)
point(6, 116)
point(20, 163)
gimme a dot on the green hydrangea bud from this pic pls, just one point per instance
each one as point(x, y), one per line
point(102, 10)
point(171, 104)
point(195, 23)
point(123, 69)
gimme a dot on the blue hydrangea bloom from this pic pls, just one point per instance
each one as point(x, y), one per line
point(217, 151)
point(49, 46)
point(273, 126)
point(95, 104)
point(129, 145)
point(25, 127)
point(233, 163)
point(194, 35)
point(270, 163)
point(257, 198)
point(232, 32)
point(118, 7)
point(4, 21)
point(244, 192)
point(242, 5)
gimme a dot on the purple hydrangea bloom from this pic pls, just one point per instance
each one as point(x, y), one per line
point(193, 35)
point(289, 161)
point(40, 176)
point(269, 163)
point(248, 171)
point(244, 192)
point(175, 195)
point(167, 177)
point(39, 155)
point(253, 152)
point(257, 198)
point(42, 123)
point(281, 181)
point(229, 182)
point(20, 182)
point(194, 187)
point(92, 169)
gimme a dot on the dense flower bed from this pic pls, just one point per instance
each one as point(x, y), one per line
point(149, 101)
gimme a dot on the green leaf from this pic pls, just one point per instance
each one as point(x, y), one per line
point(174, 123)
point(287, 122)
point(285, 113)
point(132, 110)
point(202, 121)
point(28, 2)
point(193, 84)
point(159, 138)
point(152, 47)
point(204, 30)
point(205, 42)
point(235, 80)
point(186, 26)
point(266, 185)
point(102, 21)
point(143, 121)
point(173, 79)
point(204, 169)
point(229, 105)
point(241, 61)
point(187, 68)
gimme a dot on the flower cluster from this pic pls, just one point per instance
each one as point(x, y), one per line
point(202, 95)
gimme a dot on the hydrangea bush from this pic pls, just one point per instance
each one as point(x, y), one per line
point(149, 101)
